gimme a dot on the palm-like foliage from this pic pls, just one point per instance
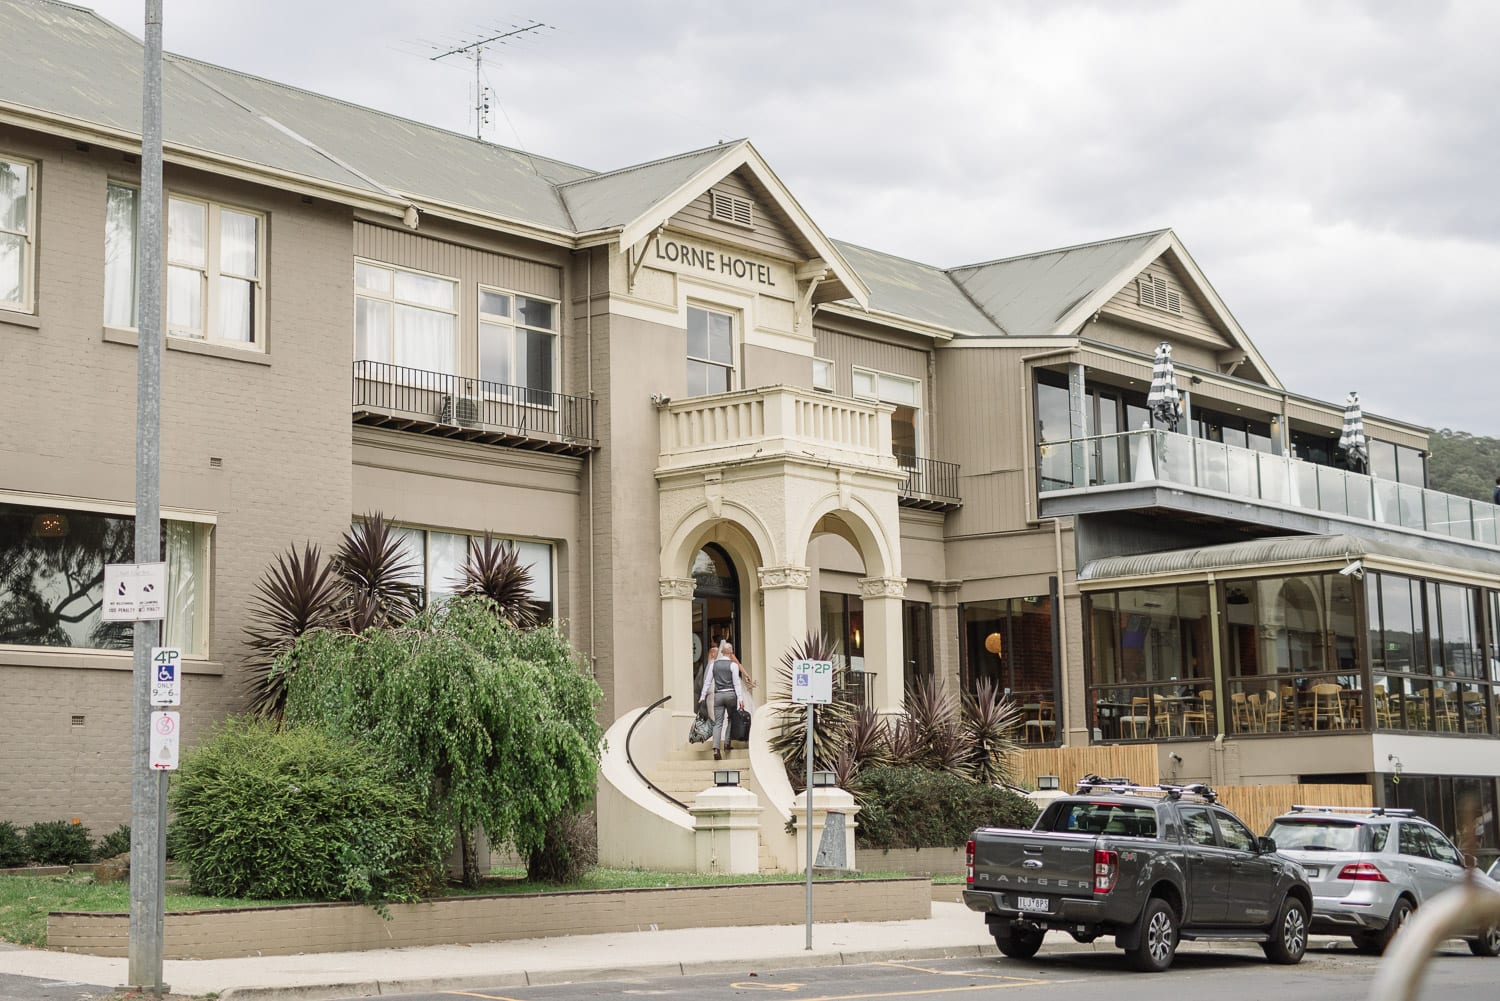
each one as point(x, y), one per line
point(380, 581)
point(299, 593)
point(494, 570)
point(990, 721)
point(931, 723)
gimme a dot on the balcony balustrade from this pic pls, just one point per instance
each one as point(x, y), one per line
point(453, 406)
point(1103, 462)
point(930, 483)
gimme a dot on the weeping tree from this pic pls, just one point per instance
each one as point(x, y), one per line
point(496, 725)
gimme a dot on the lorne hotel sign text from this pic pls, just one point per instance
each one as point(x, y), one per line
point(713, 261)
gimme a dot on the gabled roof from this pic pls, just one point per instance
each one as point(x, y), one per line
point(618, 198)
point(1031, 295)
point(921, 292)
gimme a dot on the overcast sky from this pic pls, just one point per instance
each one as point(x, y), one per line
point(1330, 165)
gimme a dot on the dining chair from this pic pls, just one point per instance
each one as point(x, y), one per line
point(1139, 719)
point(1328, 706)
point(1256, 706)
point(1443, 712)
point(1474, 716)
point(1274, 713)
point(1043, 724)
point(1162, 710)
point(1201, 714)
point(1239, 712)
point(1384, 719)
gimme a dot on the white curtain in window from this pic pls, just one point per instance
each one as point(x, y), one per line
point(15, 197)
point(236, 309)
point(446, 554)
point(537, 556)
point(424, 339)
point(237, 243)
point(11, 267)
point(184, 299)
point(410, 541)
point(119, 256)
point(187, 559)
point(424, 290)
point(187, 232)
point(372, 329)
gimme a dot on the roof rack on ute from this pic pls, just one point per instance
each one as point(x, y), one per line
point(1121, 786)
point(1373, 811)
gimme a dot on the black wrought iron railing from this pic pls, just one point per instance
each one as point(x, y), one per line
point(929, 479)
point(858, 689)
point(630, 735)
point(462, 402)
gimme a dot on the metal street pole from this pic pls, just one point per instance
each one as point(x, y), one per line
point(808, 792)
point(148, 790)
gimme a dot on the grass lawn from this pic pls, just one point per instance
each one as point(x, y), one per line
point(26, 900)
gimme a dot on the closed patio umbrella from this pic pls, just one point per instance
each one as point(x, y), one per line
point(1164, 399)
point(1356, 447)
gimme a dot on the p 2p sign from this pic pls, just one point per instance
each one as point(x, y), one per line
point(812, 681)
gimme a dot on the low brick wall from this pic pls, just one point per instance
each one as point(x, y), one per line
point(913, 861)
point(302, 928)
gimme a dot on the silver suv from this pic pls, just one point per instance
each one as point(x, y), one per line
point(1369, 868)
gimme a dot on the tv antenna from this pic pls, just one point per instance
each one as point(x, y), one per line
point(475, 51)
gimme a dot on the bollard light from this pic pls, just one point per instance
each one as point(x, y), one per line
point(726, 776)
point(1048, 783)
point(824, 780)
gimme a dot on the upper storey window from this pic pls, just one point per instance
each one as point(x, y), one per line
point(406, 318)
point(518, 345)
point(215, 268)
point(906, 394)
point(17, 232)
point(710, 351)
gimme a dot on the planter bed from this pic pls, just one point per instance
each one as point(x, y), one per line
point(304, 928)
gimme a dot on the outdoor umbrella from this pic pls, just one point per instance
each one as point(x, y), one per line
point(1164, 400)
point(1353, 441)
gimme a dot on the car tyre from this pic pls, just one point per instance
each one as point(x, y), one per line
point(1289, 937)
point(1399, 914)
point(1157, 944)
point(1021, 943)
point(1487, 944)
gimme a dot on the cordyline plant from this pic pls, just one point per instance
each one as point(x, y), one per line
point(369, 583)
point(830, 722)
point(496, 725)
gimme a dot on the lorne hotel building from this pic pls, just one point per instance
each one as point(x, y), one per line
point(697, 415)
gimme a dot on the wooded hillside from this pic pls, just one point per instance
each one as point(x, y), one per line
point(1463, 464)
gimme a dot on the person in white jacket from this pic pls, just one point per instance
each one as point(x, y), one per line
point(722, 691)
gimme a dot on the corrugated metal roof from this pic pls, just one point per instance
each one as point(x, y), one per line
point(916, 291)
point(1027, 296)
point(1265, 552)
point(621, 196)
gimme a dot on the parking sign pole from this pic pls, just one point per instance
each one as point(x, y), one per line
point(148, 800)
point(808, 792)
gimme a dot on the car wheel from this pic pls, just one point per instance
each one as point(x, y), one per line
point(1020, 943)
point(1158, 942)
point(1487, 944)
point(1289, 937)
point(1399, 914)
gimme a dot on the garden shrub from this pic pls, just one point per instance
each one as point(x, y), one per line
point(12, 846)
point(570, 849)
point(911, 807)
point(59, 842)
point(116, 842)
point(273, 814)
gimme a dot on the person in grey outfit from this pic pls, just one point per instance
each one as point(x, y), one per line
point(723, 692)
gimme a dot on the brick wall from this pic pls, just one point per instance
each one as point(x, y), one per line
point(307, 928)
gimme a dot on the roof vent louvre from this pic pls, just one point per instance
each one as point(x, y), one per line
point(732, 209)
point(1157, 292)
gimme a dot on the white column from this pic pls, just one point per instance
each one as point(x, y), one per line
point(824, 802)
point(883, 639)
point(726, 830)
point(784, 589)
point(677, 667)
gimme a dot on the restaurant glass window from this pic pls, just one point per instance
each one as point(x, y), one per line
point(1008, 642)
point(1151, 664)
point(1053, 427)
point(916, 639)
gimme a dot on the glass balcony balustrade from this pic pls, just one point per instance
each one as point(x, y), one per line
point(1155, 456)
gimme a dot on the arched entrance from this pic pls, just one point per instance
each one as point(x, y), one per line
point(716, 606)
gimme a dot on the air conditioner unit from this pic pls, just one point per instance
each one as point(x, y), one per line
point(460, 410)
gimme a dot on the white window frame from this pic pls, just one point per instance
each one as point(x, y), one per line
point(877, 377)
point(210, 271)
point(27, 302)
point(390, 297)
point(135, 253)
point(514, 323)
point(417, 544)
point(825, 365)
point(735, 320)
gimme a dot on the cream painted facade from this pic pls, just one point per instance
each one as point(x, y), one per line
point(877, 456)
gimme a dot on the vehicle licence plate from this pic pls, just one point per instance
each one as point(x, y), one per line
point(1312, 871)
point(1033, 904)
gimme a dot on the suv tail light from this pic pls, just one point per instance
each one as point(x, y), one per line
point(1363, 870)
point(1106, 869)
point(969, 863)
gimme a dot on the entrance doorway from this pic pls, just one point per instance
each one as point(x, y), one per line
point(716, 609)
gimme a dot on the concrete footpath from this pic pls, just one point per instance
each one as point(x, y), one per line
point(952, 931)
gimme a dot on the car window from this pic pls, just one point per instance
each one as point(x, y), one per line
point(1197, 827)
point(1377, 836)
point(1442, 849)
point(1235, 834)
point(1126, 819)
point(1317, 835)
point(1413, 840)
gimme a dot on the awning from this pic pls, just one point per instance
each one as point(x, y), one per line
point(1259, 554)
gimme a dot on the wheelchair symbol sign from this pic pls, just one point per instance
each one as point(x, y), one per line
point(166, 679)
